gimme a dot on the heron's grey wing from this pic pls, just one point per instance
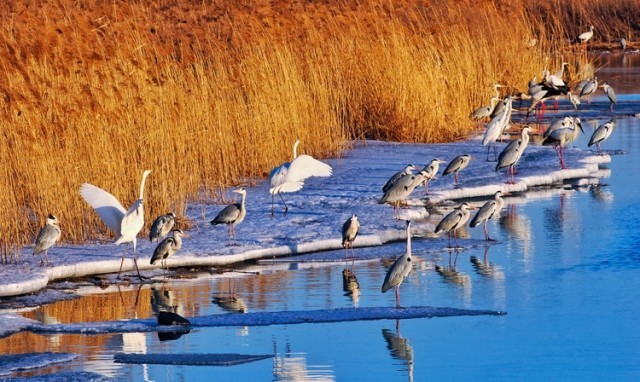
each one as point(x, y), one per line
point(397, 272)
point(156, 227)
point(105, 204)
point(598, 135)
point(162, 249)
point(449, 221)
point(47, 237)
point(484, 213)
point(305, 166)
point(611, 94)
point(228, 214)
point(508, 156)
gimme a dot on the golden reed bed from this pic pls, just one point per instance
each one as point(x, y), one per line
point(209, 94)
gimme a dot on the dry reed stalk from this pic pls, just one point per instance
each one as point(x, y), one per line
point(214, 95)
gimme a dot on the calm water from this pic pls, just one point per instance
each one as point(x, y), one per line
point(566, 269)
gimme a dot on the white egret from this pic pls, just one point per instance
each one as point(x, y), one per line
point(585, 36)
point(47, 237)
point(125, 223)
point(290, 176)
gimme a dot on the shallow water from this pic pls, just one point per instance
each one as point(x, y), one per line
point(565, 268)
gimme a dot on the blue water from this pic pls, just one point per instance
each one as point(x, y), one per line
point(566, 269)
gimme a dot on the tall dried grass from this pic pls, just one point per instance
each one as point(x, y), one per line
point(213, 93)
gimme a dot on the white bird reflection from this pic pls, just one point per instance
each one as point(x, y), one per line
point(292, 366)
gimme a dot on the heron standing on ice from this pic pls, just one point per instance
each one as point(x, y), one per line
point(167, 247)
point(458, 164)
point(47, 237)
point(511, 154)
point(601, 134)
point(162, 226)
point(232, 215)
point(487, 211)
point(454, 220)
point(350, 230)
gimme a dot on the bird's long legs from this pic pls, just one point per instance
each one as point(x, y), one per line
point(285, 204)
point(135, 262)
point(398, 296)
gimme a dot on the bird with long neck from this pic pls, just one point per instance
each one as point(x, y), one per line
point(400, 269)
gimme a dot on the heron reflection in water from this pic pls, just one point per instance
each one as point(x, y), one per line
point(484, 268)
point(351, 286)
point(399, 348)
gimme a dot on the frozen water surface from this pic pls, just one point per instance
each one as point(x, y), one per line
point(564, 266)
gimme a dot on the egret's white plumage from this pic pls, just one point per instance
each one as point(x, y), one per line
point(399, 270)
point(585, 36)
point(162, 226)
point(232, 215)
point(47, 237)
point(290, 176)
point(602, 133)
point(488, 210)
point(126, 224)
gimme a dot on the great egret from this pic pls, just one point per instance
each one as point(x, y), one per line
point(47, 237)
point(458, 164)
point(454, 220)
point(125, 223)
point(487, 211)
point(232, 215)
point(399, 270)
point(167, 247)
point(585, 36)
point(162, 226)
point(290, 176)
point(511, 154)
point(350, 230)
point(602, 133)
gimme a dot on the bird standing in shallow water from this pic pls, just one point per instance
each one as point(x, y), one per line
point(47, 237)
point(167, 247)
point(232, 215)
point(125, 223)
point(399, 270)
point(561, 137)
point(162, 226)
point(458, 164)
point(602, 133)
point(487, 211)
point(454, 220)
point(350, 230)
point(611, 94)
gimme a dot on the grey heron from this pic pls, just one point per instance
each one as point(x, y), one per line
point(162, 226)
point(454, 220)
point(579, 86)
point(511, 154)
point(399, 270)
point(458, 164)
point(49, 234)
point(408, 170)
point(488, 210)
point(350, 230)
point(585, 36)
point(560, 138)
point(496, 126)
point(602, 133)
point(486, 110)
point(167, 247)
point(290, 176)
point(430, 171)
point(559, 124)
point(125, 223)
point(401, 190)
point(589, 87)
point(611, 94)
point(232, 215)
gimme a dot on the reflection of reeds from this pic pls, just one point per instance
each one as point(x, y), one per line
point(213, 94)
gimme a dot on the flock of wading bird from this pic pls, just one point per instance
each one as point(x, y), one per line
point(290, 176)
